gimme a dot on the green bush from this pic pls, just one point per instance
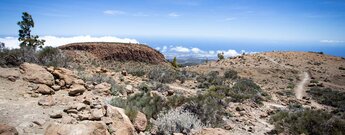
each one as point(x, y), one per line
point(10, 57)
point(308, 122)
point(177, 121)
point(230, 74)
point(246, 89)
point(220, 56)
point(50, 56)
point(209, 107)
point(162, 74)
point(329, 97)
point(143, 102)
point(137, 71)
point(212, 78)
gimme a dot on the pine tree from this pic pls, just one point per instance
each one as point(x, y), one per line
point(174, 62)
point(27, 40)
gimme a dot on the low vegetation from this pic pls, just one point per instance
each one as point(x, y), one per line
point(308, 122)
point(162, 74)
point(209, 107)
point(329, 97)
point(177, 121)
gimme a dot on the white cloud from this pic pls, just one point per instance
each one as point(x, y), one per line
point(173, 14)
point(332, 41)
point(196, 50)
point(114, 12)
point(180, 49)
point(181, 52)
point(12, 42)
point(229, 53)
point(164, 49)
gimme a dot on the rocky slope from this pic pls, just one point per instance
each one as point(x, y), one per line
point(118, 51)
point(36, 99)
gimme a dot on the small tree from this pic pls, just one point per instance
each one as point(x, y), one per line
point(27, 40)
point(2, 46)
point(174, 62)
point(220, 56)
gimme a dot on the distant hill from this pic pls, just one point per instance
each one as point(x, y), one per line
point(118, 51)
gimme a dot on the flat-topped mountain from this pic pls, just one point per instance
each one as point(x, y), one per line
point(118, 51)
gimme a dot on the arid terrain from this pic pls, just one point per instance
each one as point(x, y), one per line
point(126, 89)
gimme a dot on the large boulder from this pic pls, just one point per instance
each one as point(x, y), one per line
point(121, 124)
point(7, 130)
point(36, 74)
point(44, 89)
point(76, 89)
point(83, 128)
point(67, 75)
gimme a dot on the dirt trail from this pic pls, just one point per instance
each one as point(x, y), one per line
point(300, 89)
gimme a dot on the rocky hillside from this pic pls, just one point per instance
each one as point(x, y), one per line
point(118, 51)
point(249, 94)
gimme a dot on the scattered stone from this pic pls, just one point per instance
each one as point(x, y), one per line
point(78, 81)
point(80, 106)
point(56, 87)
point(238, 108)
point(320, 84)
point(83, 128)
point(129, 89)
point(229, 126)
point(46, 101)
point(7, 130)
point(124, 73)
point(55, 114)
point(96, 114)
point(39, 122)
point(101, 70)
point(171, 92)
point(50, 69)
point(74, 111)
point(68, 120)
point(74, 115)
point(62, 83)
point(36, 74)
point(76, 89)
point(44, 89)
point(103, 88)
point(33, 86)
point(84, 115)
point(312, 84)
point(12, 78)
point(140, 122)
point(264, 115)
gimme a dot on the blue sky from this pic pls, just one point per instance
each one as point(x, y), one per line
point(259, 21)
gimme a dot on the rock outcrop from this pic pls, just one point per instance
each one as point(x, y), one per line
point(118, 51)
point(36, 74)
point(83, 128)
